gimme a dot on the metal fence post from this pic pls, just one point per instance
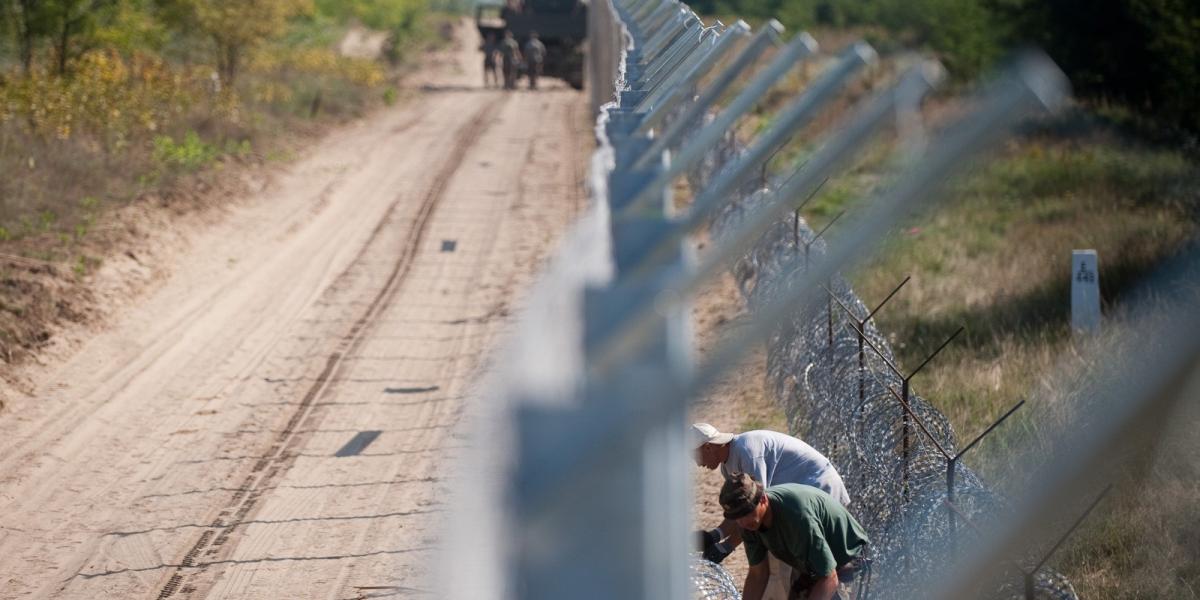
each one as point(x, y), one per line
point(617, 438)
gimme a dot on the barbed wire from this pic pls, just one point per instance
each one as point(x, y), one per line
point(845, 398)
point(710, 581)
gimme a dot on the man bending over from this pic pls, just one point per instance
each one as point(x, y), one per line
point(768, 456)
point(802, 527)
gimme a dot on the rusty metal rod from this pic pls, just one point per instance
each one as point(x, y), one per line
point(979, 437)
point(1074, 526)
point(936, 352)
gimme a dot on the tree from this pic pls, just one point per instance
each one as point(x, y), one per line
point(28, 21)
point(131, 26)
point(69, 19)
point(1145, 53)
point(234, 26)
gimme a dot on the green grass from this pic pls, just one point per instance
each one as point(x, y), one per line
point(190, 153)
point(994, 257)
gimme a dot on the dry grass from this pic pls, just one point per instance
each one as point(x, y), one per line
point(1143, 541)
point(995, 258)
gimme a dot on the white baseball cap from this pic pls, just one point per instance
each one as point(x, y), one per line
point(703, 433)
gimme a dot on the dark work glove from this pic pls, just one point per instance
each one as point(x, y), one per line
point(708, 538)
point(717, 552)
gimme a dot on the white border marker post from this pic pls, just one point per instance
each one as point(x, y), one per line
point(1085, 291)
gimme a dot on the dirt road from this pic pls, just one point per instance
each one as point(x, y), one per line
point(275, 420)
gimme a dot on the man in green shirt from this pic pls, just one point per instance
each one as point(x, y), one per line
point(800, 525)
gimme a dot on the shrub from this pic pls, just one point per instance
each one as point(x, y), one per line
point(110, 99)
point(189, 154)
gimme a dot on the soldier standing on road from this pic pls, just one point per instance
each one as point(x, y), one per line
point(510, 55)
point(535, 55)
point(489, 49)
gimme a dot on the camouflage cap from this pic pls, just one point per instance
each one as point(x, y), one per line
point(740, 494)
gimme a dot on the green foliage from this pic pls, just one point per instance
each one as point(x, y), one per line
point(74, 23)
point(834, 13)
point(113, 100)
point(399, 18)
point(316, 30)
point(384, 15)
point(109, 99)
point(84, 265)
point(188, 154)
point(963, 33)
point(132, 26)
point(1145, 53)
point(774, 420)
point(235, 27)
point(27, 22)
point(46, 220)
point(1130, 175)
point(88, 211)
point(62, 29)
point(240, 149)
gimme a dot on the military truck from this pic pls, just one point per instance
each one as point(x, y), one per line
point(560, 24)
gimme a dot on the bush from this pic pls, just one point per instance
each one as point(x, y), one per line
point(110, 99)
point(311, 81)
point(963, 33)
point(394, 16)
point(1144, 53)
point(189, 154)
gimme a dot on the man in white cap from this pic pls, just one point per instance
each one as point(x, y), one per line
point(770, 458)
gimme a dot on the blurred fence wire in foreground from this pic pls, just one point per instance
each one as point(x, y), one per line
point(576, 483)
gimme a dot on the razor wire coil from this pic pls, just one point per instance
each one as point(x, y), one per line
point(841, 395)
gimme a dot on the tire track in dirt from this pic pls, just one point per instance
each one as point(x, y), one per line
point(49, 458)
point(215, 541)
point(17, 450)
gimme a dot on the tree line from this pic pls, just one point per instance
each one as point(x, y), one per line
point(1144, 54)
point(223, 32)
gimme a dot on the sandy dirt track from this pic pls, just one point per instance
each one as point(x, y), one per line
point(191, 449)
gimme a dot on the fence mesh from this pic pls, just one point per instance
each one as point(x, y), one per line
point(836, 379)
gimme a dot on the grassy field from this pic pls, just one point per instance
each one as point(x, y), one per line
point(994, 257)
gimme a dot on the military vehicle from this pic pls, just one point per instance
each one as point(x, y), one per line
point(560, 24)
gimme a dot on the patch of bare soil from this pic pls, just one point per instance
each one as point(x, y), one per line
point(361, 42)
point(738, 403)
point(48, 306)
